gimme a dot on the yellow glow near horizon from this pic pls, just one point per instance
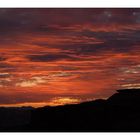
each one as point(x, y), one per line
point(55, 102)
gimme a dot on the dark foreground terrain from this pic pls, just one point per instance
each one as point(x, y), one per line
point(119, 113)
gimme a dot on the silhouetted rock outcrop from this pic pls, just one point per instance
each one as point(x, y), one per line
point(119, 113)
point(127, 97)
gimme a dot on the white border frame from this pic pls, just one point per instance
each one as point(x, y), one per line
point(69, 3)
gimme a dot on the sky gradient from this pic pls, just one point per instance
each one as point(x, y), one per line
point(60, 56)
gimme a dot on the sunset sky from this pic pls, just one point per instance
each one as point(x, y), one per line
point(60, 56)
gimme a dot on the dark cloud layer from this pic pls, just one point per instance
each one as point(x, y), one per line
point(2, 58)
point(51, 57)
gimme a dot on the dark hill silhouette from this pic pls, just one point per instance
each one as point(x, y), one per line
point(13, 117)
point(119, 113)
point(127, 97)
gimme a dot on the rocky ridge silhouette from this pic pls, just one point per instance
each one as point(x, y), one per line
point(118, 113)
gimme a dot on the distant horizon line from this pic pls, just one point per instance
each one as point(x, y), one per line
point(27, 105)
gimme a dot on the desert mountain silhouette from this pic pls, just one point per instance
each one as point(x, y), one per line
point(118, 113)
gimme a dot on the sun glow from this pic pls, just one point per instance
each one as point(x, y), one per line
point(54, 102)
